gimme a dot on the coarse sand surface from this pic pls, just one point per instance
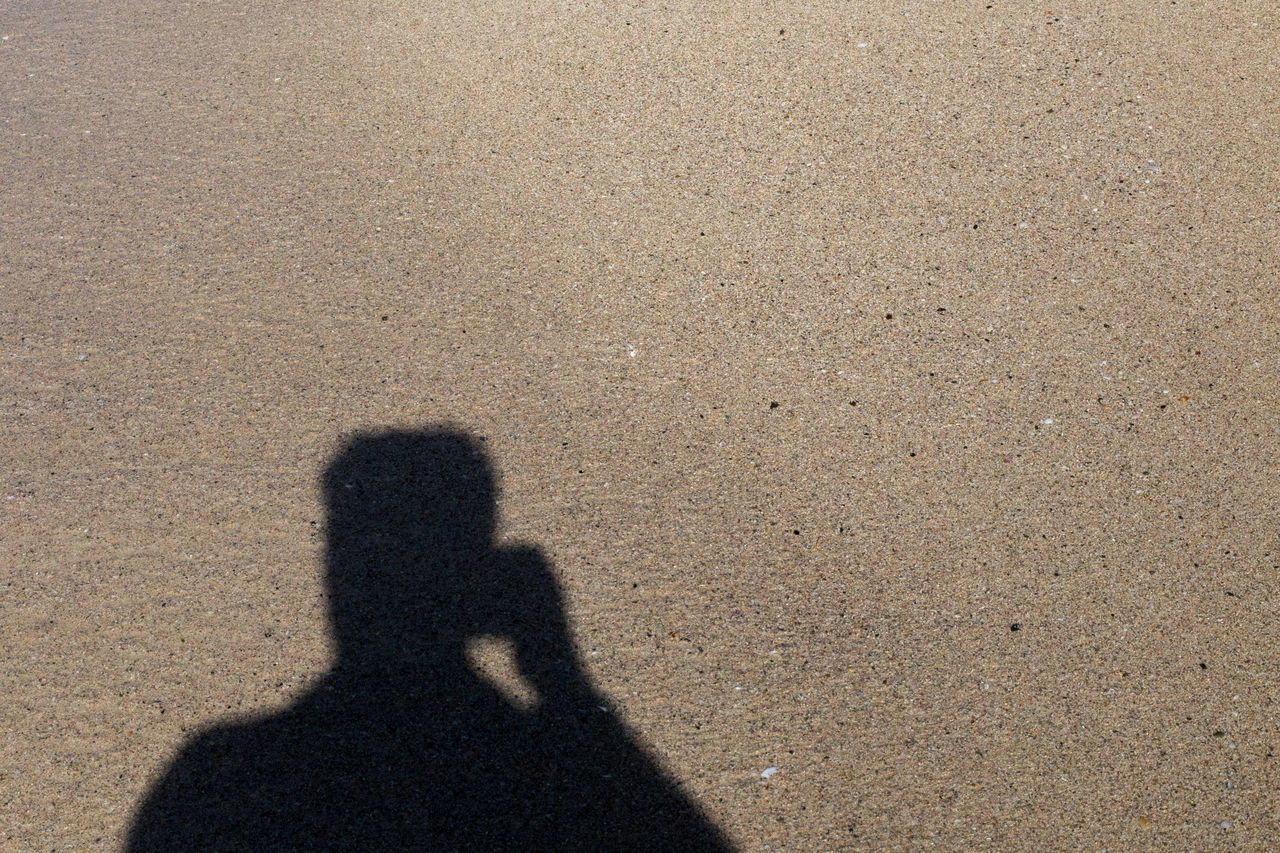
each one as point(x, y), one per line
point(890, 391)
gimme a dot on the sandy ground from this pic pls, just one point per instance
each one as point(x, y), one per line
point(893, 388)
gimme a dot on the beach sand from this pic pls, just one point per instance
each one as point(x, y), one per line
point(892, 389)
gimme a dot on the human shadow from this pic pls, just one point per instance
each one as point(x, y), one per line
point(402, 746)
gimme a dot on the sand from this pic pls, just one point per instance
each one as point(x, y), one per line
point(892, 389)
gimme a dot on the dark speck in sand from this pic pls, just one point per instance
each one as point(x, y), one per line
point(773, 405)
point(1016, 626)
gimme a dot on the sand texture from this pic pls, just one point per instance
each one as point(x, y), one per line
point(880, 401)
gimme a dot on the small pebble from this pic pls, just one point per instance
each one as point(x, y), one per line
point(768, 771)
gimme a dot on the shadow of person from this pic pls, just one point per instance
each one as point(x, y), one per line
point(402, 745)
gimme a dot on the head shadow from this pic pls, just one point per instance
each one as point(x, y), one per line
point(410, 524)
point(401, 745)
point(413, 575)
